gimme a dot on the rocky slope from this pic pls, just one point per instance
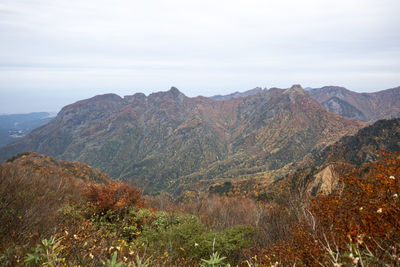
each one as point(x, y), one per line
point(167, 140)
point(367, 107)
point(369, 144)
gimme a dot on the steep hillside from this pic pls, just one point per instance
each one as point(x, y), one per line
point(325, 167)
point(33, 190)
point(278, 128)
point(167, 140)
point(363, 146)
point(367, 107)
point(320, 171)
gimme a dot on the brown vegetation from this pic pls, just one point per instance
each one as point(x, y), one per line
point(356, 225)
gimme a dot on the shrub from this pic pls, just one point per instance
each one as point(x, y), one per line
point(185, 237)
point(116, 196)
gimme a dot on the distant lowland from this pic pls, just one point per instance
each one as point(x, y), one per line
point(14, 127)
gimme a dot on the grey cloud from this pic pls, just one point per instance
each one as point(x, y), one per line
point(82, 48)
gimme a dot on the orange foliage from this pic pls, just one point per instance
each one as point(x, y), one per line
point(115, 196)
point(368, 205)
point(33, 188)
point(363, 211)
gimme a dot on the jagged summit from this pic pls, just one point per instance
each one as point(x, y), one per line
point(296, 88)
point(295, 91)
point(176, 93)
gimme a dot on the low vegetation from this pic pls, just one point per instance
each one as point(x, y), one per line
point(66, 214)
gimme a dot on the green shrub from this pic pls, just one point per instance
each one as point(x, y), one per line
point(48, 253)
point(187, 238)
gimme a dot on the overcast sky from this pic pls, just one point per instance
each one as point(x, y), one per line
point(54, 52)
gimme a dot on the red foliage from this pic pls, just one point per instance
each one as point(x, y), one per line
point(116, 196)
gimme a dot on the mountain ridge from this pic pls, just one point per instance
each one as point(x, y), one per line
point(367, 107)
point(363, 106)
point(166, 137)
point(238, 94)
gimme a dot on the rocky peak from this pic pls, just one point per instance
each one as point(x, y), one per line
point(294, 91)
point(297, 88)
point(176, 93)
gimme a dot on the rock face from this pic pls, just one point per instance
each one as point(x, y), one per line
point(166, 140)
point(338, 106)
point(324, 182)
point(367, 107)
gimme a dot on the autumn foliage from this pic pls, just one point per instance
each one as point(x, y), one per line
point(359, 223)
point(116, 196)
point(366, 210)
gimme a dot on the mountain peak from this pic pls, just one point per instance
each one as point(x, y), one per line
point(174, 90)
point(296, 87)
point(176, 93)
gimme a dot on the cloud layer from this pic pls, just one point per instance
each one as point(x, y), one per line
point(57, 51)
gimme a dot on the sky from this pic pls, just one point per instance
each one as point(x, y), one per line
point(55, 52)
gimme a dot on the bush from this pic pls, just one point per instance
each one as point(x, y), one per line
point(186, 238)
point(116, 196)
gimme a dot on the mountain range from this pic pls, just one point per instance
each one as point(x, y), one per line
point(366, 107)
point(166, 140)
